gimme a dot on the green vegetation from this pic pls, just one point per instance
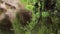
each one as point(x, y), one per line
point(49, 22)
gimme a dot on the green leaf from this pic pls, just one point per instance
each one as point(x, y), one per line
point(45, 14)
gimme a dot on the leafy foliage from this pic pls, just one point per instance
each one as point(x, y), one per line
point(49, 22)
